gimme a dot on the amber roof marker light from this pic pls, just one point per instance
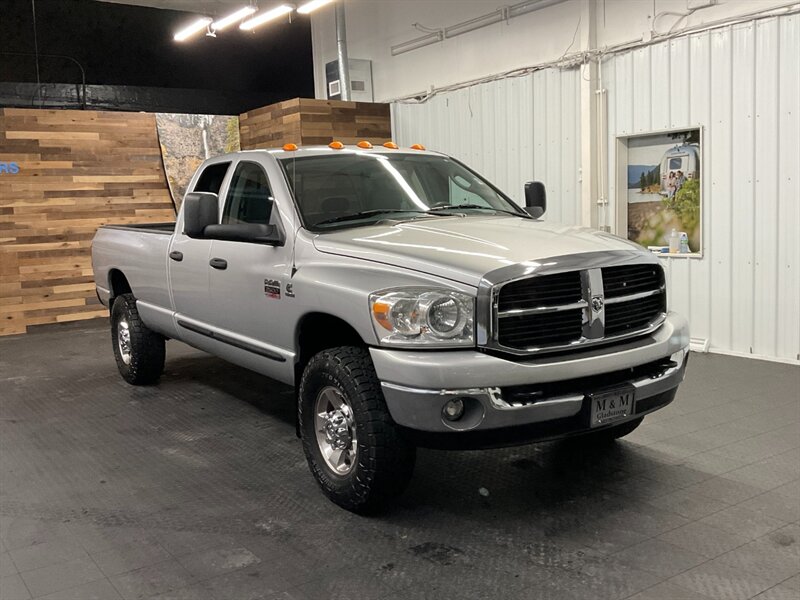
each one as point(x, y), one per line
point(364, 144)
point(336, 145)
point(290, 147)
point(390, 145)
point(417, 147)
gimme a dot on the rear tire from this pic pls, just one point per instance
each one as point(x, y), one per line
point(139, 351)
point(353, 447)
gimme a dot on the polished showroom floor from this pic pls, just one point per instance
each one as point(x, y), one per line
point(197, 488)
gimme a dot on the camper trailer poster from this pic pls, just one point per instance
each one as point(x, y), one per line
point(664, 188)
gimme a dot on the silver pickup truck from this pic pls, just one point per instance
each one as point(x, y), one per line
point(409, 301)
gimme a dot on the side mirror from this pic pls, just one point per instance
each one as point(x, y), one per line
point(535, 199)
point(254, 233)
point(200, 209)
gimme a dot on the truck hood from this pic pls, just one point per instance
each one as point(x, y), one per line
point(464, 249)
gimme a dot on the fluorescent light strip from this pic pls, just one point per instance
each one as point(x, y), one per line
point(267, 16)
point(233, 18)
point(189, 31)
point(312, 6)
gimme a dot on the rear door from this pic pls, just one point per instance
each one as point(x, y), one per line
point(188, 258)
point(249, 279)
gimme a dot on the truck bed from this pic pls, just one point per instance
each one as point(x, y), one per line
point(162, 228)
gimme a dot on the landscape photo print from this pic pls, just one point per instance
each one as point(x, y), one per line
point(664, 188)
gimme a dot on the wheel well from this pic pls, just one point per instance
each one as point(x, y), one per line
point(118, 284)
point(318, 331)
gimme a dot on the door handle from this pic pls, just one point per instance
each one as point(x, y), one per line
point(176, 256)
point(219, 263)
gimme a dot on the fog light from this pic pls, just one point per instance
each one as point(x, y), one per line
point(453, 409)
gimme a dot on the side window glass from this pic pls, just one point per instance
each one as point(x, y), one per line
point(210, 179)
point(249, 196)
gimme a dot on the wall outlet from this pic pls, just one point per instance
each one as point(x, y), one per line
point(698, 4)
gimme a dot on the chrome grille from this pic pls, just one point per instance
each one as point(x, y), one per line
point(559, 311)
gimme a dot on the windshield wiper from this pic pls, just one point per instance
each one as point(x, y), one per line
point(478, 206)
point(368, 213)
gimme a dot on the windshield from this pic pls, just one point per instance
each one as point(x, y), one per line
point(354, 189)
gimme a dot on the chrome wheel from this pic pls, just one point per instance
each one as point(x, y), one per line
point(336, 430)
point(124, 341)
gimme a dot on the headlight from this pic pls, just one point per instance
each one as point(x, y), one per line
point(423, 317)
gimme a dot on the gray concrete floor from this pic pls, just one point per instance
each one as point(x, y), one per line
point(198, 489)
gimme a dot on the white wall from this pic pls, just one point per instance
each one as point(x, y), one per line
point(373, 26)
point(511, 131)
point(743, 89)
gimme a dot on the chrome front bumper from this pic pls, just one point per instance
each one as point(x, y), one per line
point(416, 385)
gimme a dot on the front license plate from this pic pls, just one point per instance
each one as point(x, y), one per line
point(609, 407)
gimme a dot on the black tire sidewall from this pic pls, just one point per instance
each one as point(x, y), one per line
point(147, 347)
point(385, 460)
point(324, 373)
point(119, 312)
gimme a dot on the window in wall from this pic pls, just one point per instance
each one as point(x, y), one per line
point(663, 172)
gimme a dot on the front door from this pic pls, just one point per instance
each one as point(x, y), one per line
point(188, 262)
point(247, 281)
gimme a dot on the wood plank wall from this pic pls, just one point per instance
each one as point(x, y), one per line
point(77, 170)
point(304, 121)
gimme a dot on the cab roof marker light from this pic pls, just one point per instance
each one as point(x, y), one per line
point(233, 18)
point(417, 147)
point(195, 27)
point(290, 147)
point(266, 16)
point(390, 145)
point(310, 7)
point(336, 145)
point(364, 144)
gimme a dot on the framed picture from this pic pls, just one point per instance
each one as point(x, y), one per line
point(659, 191)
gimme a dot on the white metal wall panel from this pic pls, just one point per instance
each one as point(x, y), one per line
point(742, 85)
point(511, 130)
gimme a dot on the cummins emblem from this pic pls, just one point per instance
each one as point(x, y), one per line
point(597, 303)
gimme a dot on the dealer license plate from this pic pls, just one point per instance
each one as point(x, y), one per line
point(611, 406)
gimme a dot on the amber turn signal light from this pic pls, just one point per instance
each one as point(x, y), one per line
point(380, 310)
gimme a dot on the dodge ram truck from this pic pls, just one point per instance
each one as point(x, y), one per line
point(408, 300)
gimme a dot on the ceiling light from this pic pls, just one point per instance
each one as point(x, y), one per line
point(195, 27)
point(264, 17)
point(312, 6)
point(233, 18)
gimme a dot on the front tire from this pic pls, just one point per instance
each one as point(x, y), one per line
point(139, 351)
point(353, 447)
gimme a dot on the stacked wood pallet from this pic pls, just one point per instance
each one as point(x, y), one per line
point(306, 122)
point(76, 171)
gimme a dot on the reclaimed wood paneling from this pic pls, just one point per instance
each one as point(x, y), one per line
point(77, 170)
point(306, 122)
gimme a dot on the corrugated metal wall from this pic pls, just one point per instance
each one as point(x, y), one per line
point(742, 85)
point(511, 131)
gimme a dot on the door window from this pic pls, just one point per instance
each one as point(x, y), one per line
point(210, 179)
point(249, 196)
